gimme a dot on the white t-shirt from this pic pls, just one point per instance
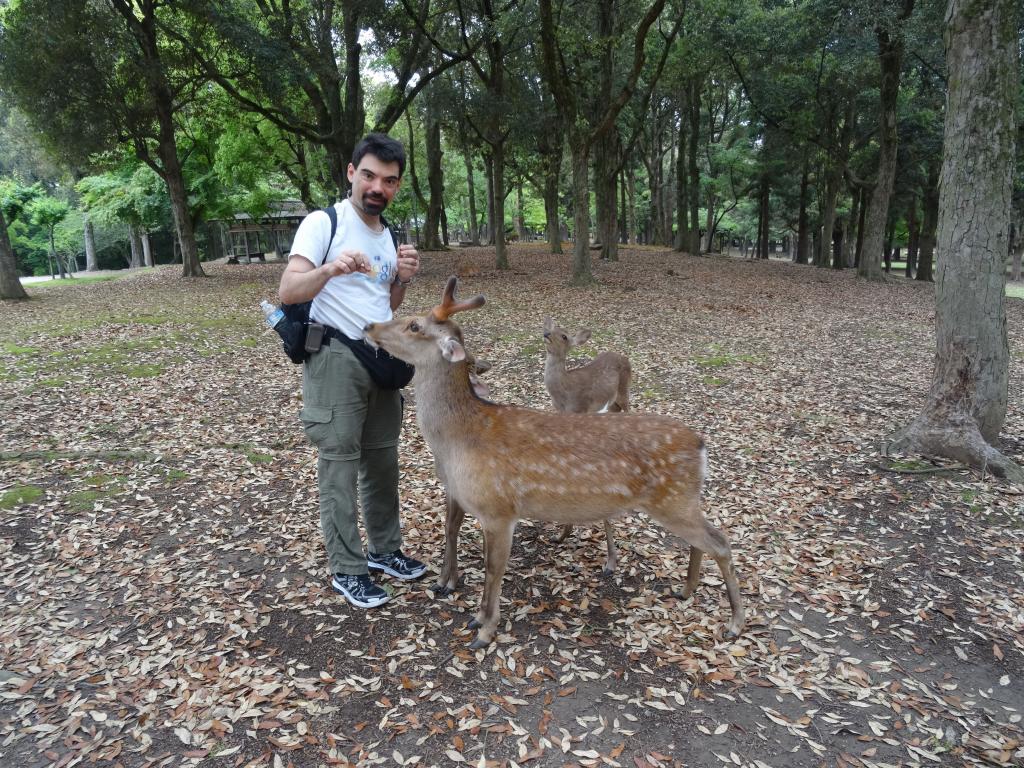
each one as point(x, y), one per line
point(349, 302)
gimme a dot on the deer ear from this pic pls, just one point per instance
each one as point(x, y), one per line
point(451, 350)
point(580, 337)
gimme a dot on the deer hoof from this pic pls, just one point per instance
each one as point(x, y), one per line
point(731, 634)
point(478, 643)
point(606, 571)
point(441, 590)
point(474, 624)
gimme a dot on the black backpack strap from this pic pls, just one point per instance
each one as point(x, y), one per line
point(332, 214)
point(394, 237)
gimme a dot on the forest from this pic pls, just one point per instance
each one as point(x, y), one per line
point(133, 132)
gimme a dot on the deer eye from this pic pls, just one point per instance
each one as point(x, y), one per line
point(564, 337)
point(414, 327)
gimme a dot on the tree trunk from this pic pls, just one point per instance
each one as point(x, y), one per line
point(10, 285)
point(828, 216)
point(850, 230)
point(692, 144)
point(554, 229)
point(929, 224)
point(492, 224)
point(763, 218)
point(435, 179)
point(147, 249)
point(581, 267)
point(890, 57)
point(629, 182)
point(682, 242)
point(90, 244)
point(914, 237)
point(136, 246)
point(498, 160)
point(709, 229)
point(803, 225)
point(606, 197)
point(966, 404)
point(520, 214)
point(860, 228)
point(474, 233)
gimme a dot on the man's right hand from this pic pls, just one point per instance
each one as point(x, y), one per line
point(347, 263)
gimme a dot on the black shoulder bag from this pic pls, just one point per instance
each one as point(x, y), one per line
point(292, 329)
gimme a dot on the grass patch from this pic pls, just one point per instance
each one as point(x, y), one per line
point(76, 281)
point(144, 370)
point(17, 351)
point(20, 494)
point(254, 456)
point(84, 500)
point(720, 359)
point(1015, 290)
point(714, 381)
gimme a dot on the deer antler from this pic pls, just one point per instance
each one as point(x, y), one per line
point(448, 307)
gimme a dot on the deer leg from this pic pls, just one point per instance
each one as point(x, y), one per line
point(497, 546)
point(693, 572)
point(704, 537)
point(450, 568)
point(613, 558)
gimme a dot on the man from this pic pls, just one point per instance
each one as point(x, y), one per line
point(352, 420)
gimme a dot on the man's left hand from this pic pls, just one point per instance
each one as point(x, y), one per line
point(408, 262)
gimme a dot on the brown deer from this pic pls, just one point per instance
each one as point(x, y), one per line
point(502, 463)
point(602, 385)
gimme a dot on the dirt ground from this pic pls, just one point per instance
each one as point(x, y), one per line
point(164, 589)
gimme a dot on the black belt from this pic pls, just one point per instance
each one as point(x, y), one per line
point(334, 333)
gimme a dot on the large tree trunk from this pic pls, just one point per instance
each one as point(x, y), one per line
point(966, 405)
point(90, 243)
point(10, 285)
point(581, 267)
point(890, 57)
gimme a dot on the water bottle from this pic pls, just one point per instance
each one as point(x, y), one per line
point(274, 315)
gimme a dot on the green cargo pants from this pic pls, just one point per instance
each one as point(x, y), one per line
point(355, 425)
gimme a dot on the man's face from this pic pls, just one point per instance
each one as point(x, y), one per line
point(374, 183)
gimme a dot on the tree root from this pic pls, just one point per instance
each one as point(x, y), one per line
point(957, 439)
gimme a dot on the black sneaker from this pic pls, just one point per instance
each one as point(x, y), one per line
point(396, 564)
point(359, 590)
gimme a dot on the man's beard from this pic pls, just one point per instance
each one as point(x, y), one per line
point(374, 206)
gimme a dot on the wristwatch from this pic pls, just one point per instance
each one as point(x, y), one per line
point(402, 282)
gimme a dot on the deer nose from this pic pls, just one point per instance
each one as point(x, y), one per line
point(368, 327)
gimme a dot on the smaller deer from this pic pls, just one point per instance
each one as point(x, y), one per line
point(602, 385)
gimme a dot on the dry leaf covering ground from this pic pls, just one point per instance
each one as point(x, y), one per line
point(164, 589)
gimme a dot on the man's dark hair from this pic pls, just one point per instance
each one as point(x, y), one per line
point(381, 146)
